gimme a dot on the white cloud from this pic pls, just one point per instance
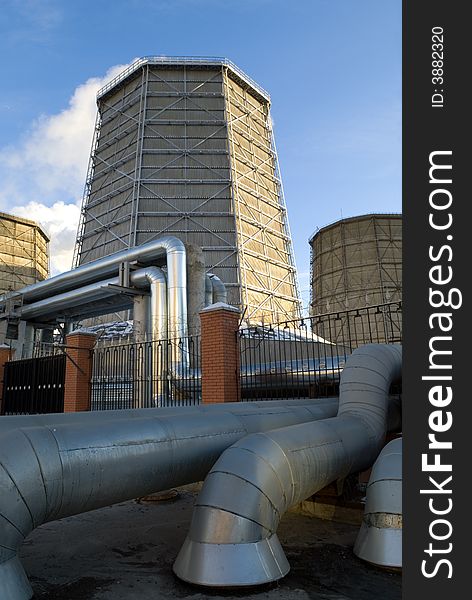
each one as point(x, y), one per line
point(42, 176)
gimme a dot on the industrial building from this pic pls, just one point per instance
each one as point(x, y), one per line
point(356, 262)
point(184, 147)
point(24, 253)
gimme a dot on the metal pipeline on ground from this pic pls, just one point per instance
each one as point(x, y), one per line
point(52, 466)
point(168, 247)
point(379, 540)
point(232, 539)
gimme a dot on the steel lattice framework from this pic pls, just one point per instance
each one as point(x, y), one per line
point(184, 147)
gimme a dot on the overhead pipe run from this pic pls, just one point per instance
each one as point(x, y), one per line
point(169, 247)
point(151, 278)
point(104, 267)
point(379, 540)
point(232, 539)
point(54, 305)
point(73, 464)
point(153, 321)
point(84, 295)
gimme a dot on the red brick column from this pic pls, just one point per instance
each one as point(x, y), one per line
point(78, 371)
point(6, 354)
point(220, 353)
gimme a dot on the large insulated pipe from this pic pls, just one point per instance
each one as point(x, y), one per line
point(150, 376)
point(61, 302)
point(151, 278)
point(232, 539)
point(148, 277)
point(9, 422)
point(107, 266)
point(71, 466)
point(379, 540)
point(155, 279)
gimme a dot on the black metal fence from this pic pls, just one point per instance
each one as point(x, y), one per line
point(293, 359)
point(34, 385)
point(146, 374)
point(304, 358)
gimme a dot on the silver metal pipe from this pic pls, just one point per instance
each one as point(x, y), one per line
point(219, 293)
point(155, 279)
point(170, 247)
point(208, 291)
point(379, 540)
point(151, 365)
point(74, 464)
point(232, 539)
point(148, 277)
point(55, 304)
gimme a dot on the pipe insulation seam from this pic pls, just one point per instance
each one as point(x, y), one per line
point(51, 471)
point(379, 540)
point(303, 458)
point(9, 422)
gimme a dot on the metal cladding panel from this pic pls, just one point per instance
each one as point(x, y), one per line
point(186, 150)
point(24, 253)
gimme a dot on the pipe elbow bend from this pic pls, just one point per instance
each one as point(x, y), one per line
point(232, 540)
point(379, 540)
point(23, 501)
point(365, 384)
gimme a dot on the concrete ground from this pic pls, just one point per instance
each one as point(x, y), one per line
point(126, 552)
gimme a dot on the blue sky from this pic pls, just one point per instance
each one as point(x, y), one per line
point(332, 67)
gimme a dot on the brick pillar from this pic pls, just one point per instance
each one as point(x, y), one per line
point(6, 354)
point(220, 353)
point(78, 371)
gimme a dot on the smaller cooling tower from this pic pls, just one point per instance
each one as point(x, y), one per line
point(24, 257)
point(356, 262)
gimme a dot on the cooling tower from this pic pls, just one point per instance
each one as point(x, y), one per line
point(357, 263)
point(24, 253)
point(184, 147)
